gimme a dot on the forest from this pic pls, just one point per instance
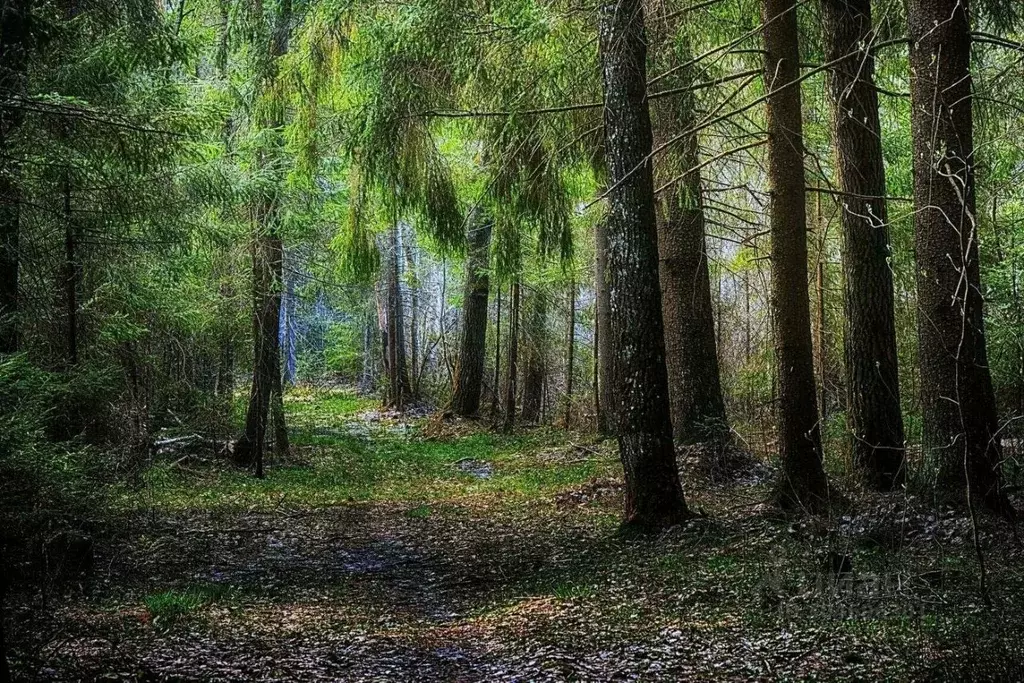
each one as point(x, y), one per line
point(511, 340)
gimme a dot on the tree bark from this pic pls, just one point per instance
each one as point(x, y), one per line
point(249, 450)
point(802, 480)
point(570, 363)
point(268, 266)
point(497, 359)
point(469, 368)
point(872, 379)
point(72, 272)
point(695, 386)
point(15, 18)
point(819, 333)
point(398, 389)
point(653, 492)
point(412, 283)
point(605, 357)
point(513, 358)
point(9, 261)
point(961, 434)
point(535, 365)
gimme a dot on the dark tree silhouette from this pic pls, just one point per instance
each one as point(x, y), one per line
point(469, 368)
point(267, 252)
point(512, 369)
point(15, 34)
point(535, 349)
point(399, 389)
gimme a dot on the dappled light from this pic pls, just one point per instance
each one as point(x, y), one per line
point(512, 341)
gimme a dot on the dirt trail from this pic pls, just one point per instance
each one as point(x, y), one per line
point(482, 587)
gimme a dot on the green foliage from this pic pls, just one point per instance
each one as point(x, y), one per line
point(170, 606)
point(357, 456)
point(344, 352)
point(44, 485)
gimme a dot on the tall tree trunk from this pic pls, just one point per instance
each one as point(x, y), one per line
point(250, 448)
point(595, 386)
point(497, 359)
point(277, 390)
point(9, 237)
point(695, 386)
point(570, 363)
point(15, 18)
point(72, 272)
point(368, 377)
point(268, 268)
point(654, 494)
point(872, 380)
point(802, 479)
point(957, 401)
point(605, 356)
point(412, 283)
point(398, 390)
point(265, 397)
point(819, 332)
point(513, 357)
point(469, 368)
point(535, 365)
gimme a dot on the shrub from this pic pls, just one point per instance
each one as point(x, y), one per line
point(45, 485)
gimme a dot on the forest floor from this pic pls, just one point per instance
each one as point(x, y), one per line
point(400, 549)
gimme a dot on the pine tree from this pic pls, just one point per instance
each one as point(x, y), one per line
point(654, 494)
point(802, 480)
point(873, 392)
point(469, 368)
point(961, 431)
point(15, 39)
point(602, 325)
point(695, 387)
point(535, 343)
point(267, 253)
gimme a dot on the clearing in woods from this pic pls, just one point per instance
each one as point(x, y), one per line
point(397, 548)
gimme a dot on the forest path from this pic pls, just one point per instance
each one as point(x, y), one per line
point(376, 553)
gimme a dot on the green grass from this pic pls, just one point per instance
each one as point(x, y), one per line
point(305, 406)
point(339, 457)
point(170, 606)
point(419, 512)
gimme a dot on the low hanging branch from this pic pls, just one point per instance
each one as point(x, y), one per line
point(721, 48)
point(692, 130)
point(722, 155)
point(982, 37)
point(705, 84)
point(470, 113)
point(82, 113)
point(708, 122)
